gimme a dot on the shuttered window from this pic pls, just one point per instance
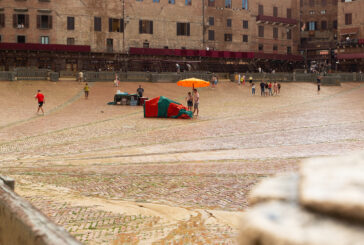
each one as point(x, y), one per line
point(44, 21)
point(97, 24)
point(2, 20)
point(183, 29)
point(116, 25)
point(70, 23)
point(145, 26)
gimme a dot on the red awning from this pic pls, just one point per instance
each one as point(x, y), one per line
point(350, 56)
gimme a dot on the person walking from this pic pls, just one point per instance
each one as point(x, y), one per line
point(140, 91)
point(253, 88)
point(275, 88)
point(86, 89)
point(243, 80)
point(189, 100)
point(318, 84)
point(279, 88)
point(196, 101)
point(262, 85)
point(41, 101)
point(250, 79)
point(80, 76)
point(266, 88)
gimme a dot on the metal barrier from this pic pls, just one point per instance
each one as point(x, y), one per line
point(7, 76)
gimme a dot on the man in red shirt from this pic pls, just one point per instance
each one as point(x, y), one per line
point(41, 101)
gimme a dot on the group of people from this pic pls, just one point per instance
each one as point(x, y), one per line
point(268, 89)
point(193, 100)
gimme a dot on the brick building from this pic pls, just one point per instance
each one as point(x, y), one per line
point(351, 35)
point(318, 32)
point(92, 34)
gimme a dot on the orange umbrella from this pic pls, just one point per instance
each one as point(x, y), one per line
point(193, 83)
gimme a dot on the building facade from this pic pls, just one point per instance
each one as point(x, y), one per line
point(351, 36)
point(318, 32)
point(93, 34)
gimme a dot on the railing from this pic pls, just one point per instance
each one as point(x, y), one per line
point(44, 47)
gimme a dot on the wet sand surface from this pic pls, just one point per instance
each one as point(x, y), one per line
point(110, 176)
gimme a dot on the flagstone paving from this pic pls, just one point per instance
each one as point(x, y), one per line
point(110, 176)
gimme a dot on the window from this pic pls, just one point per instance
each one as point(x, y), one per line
point(312, 12)
point(70, 41)
point(245, 24)
point(154, 1)
point(116, 25)
point(289, 50)
point(348, 19)
point(312, 3)
point(97, 24)
point(334, 24)
point(228, 4)
point(44, 40)
point(183, 29)
point(261, 31)
point(228, 37)
point(211, 21)
point(275, 47)
point(171, 1)
point(211, 35)
point(245, 4)
point(146, 26)
point(323, 11)
point(211, 3)
point(145, 45)
point(20, 21)
point(260, 9)
point(275, 32)
point(323, 2)
point(289, 13)
point(44, 21)
point(245, 38)
point(323, 25)
point(109, 45)
point(2, 20)
point(275, 11)
point(289, 34)
point(311, 25)
point(228, 22)
point(70, 23)
point(20, 39)
point(260, 47)
point(188, 2)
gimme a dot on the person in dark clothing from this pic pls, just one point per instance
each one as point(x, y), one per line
point(140, 91)
point(262, 85)
point(318, 84)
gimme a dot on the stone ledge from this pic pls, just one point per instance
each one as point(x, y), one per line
point(334, 186)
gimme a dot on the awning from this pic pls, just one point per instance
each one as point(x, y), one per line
point(349, 31)
point(350, 56)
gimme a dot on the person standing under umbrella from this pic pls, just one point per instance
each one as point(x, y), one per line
point(196, 101)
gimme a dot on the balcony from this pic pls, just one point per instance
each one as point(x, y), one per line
point(275, 20)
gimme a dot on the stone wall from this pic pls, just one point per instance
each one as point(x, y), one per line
point(22, 224)
point(322, 204)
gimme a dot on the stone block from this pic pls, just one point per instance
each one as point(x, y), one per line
point(334, 185)
point(279, 188)
point(282, 223)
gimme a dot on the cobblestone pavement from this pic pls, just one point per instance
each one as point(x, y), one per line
point(108, 175)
